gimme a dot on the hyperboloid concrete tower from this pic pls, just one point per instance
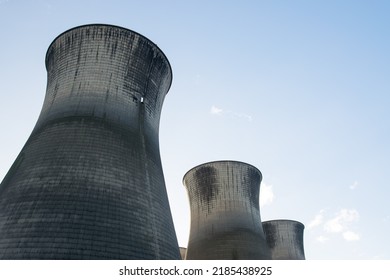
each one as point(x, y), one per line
point(88, 184)
point(225, 213)
point(285, 239)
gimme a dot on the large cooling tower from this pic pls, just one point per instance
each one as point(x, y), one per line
point(88, 184)
point(285, 239)
point(225, 214)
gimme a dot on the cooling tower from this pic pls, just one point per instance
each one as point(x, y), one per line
point(88, 184)
point(225, 214)
point(285, 239)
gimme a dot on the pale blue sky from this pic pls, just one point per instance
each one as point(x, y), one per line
point(299, 89)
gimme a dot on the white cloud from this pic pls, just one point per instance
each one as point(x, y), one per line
point(322, 239)
point(341, 224)
point(342, 220)
point(318, 219)
point(219, 111)
point(266, 195)
point(334, 225)
point(351, 236)
point(215, 110)
point(354, 185)
point(243, 116)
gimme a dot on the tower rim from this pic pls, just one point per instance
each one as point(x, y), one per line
point(221, 161)
point(284, 220)
point(115, 26)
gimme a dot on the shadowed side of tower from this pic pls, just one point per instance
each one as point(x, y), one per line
point(225, 214)
point(88, 184)
point(285, 239)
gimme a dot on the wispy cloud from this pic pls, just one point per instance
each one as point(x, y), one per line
point(322, 239)
point(342, 220)
point(351, 236)
point(266, 195)
point(215, 110)
point(341, 223)
point(318, 219)
point(243, 116)
point(354, 185)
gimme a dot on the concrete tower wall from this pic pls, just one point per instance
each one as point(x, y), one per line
point(88, 184)
point(285, 239)
point(225, 214)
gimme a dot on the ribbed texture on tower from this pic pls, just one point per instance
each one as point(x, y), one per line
point(88, 184)
point(225, 213)
point(285, 239)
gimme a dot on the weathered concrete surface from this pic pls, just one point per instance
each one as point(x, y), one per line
point(285, 239)
point(225, 213)
point(88, 184)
